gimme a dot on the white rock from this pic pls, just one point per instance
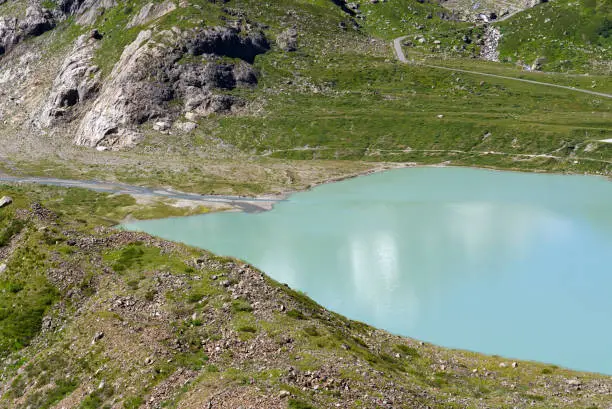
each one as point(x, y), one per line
point(5, 201)
point(186, 126)
point(191, 116)
point(161, 126)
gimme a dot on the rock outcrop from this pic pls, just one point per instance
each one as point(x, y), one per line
point(128, 98)
point(9, 33)
point(86, 11)
point(77, 81)
point(148, 76)
point(150, 12)
point(287, 40)
point(489, 50)
point(37, 21)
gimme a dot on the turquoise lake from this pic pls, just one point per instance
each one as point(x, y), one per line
point(514, 264)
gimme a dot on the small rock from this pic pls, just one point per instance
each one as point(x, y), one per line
point(101, 385)
point(287, 40)
point(2, 268)
point(191, 116)
point(161, 126)
point(97, 337)
point(5, 201)
point(284, 394)
point(95, 34)
point(186, 126)
point(502, 365)
point(440, 116)
point(149, 361)
point(101, 148)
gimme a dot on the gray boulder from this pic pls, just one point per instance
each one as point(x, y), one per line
point(37, 21)
point(287, 40)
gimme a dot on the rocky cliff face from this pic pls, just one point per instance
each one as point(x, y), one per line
point(180, 71)
point(149, 75)
point(77, 81)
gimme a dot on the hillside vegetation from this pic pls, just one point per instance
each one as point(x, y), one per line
point(94, 317)
point(566, 35)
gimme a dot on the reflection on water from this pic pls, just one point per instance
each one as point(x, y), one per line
point(503, 263)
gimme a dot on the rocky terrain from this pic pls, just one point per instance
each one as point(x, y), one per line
point(95, 317)
point(489, 10)
point(107, 74)
point(244, 97)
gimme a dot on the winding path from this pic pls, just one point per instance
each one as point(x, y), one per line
point(399, 52)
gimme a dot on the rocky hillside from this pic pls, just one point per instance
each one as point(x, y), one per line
point(108, 74)
point(93, 317)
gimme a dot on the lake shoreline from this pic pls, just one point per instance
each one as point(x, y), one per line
point(247, 204)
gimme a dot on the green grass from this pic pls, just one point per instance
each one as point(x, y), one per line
point(139, 257)
point(389, 112)
point(571, 35)
point(299, 404)
point(26, 297)
point(13, 228)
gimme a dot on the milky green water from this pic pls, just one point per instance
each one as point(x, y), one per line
point(518, 265)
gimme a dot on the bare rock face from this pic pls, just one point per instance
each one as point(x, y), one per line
point(128, 98)
point(228, 42)
point(9, 33)
point(151, 12)
point(37, 21)
point(86, 11)
point(148, 76)
point(77, 81)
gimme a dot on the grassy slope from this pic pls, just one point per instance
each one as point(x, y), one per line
point(571, 35)
point(182, 328)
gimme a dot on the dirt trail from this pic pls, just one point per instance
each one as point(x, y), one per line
point(397, 46)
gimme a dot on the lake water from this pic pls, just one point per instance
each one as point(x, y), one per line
point(518, 265)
